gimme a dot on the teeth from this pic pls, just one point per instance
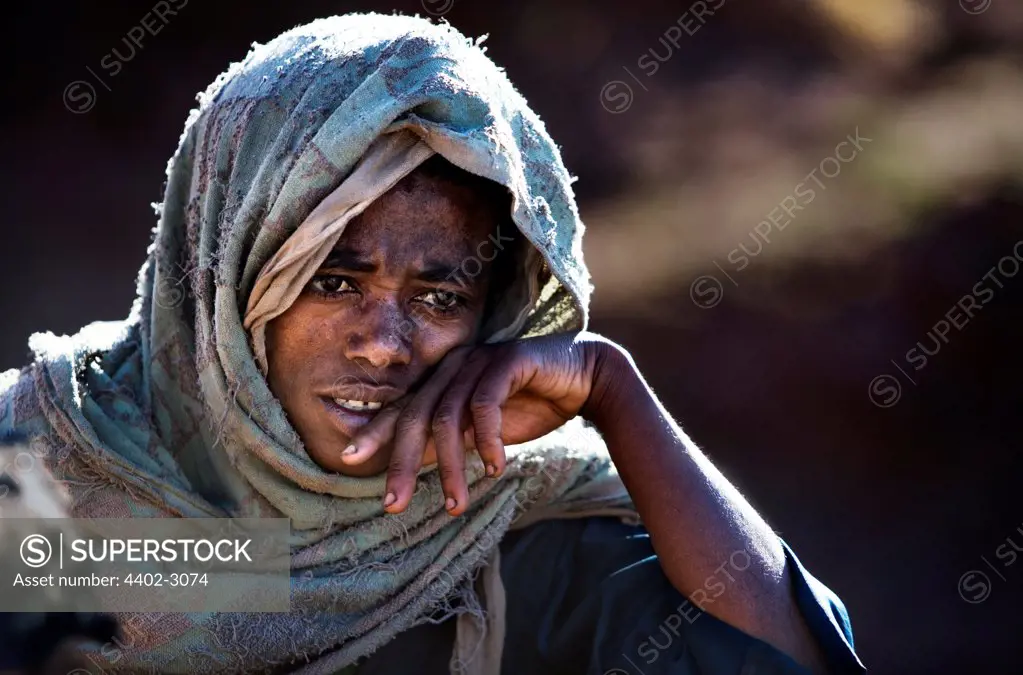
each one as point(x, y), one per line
point(358, 405)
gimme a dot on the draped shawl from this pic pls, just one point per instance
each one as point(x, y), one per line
point(167, 413)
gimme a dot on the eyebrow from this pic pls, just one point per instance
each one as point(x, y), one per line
point(348, 259)
point(433, 271)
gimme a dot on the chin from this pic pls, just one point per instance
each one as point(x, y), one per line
point(375, 465)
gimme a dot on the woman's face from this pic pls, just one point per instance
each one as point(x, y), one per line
point(406, 283)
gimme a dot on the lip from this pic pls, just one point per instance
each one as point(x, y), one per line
point(349, 422)
point(357, 391)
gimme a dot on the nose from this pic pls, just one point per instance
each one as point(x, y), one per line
point(380, 335)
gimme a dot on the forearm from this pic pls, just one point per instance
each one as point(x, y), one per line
point(712, 544)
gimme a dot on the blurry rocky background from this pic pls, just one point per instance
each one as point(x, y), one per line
point(851, 358)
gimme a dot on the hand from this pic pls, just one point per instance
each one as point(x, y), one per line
point(481, 397)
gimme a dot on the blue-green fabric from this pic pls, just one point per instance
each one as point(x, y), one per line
point(166, 414)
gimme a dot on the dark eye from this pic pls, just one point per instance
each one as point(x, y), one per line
point(442, 300)
point(331, 284)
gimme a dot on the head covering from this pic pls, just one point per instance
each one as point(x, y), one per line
point(168, 413)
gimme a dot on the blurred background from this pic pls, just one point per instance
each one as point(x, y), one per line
point(802, 220)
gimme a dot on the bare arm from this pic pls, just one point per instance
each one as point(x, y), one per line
point(714, 547)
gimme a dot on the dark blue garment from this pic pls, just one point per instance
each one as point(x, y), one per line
point(588, 597)
point(28, 640)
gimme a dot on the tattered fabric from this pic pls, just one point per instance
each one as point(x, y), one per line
point(168, 414)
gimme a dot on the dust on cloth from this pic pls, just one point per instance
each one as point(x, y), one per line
point(167, 413)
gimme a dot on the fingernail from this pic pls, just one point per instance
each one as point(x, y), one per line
point(491, 469)
point(390, 499)
point(450, 503)
point(350, 450)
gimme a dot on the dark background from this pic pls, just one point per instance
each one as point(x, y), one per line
point(890, 506)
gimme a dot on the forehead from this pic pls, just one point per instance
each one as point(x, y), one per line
point(419, 219)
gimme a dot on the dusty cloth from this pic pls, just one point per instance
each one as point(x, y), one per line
point(168, 413)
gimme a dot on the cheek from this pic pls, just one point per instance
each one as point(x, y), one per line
point(434, 340)
point(295, 342)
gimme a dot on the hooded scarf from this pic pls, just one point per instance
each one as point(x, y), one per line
point(167, 413)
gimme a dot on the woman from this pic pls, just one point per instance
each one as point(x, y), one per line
point(364, 309)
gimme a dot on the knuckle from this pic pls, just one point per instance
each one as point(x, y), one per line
point(445, 420)
point(462, 350)
point(455, 359)
point(508, 350)
point(450, 472)
point(400, 466)
point(491, 450)
point(481, 353)
point(482, 403)
point(410, 420)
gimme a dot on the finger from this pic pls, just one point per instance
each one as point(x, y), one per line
point(485, 405)
point(377, 433)
point(412, 431)
point(449, 434)
point(451, 430)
